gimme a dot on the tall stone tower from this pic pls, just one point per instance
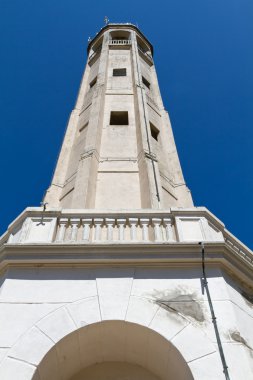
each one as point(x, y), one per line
point(119, 151)
point(108, 279)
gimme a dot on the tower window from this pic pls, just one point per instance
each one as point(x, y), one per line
point(119, 118)
point(83, 126)
point(119, 72)
point(93, 82)
point(146, 82)
point(154, 132)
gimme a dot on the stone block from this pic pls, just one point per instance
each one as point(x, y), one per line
point(192, 343)
point(114, 288)
point(85, 312)
point(141, 310)
point(167, 323)
point(28, 314)
point(15, 369)
point(25, 350)
point(57, 324)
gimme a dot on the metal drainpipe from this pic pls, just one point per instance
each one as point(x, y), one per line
point(146, 127)
point(217, 334)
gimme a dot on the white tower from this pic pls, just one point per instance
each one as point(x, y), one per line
point(108, 279)
point(119, 151)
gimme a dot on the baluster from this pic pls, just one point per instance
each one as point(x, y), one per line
point(98, 223)
point(109, 223)
point(157, 229)
point(86, 223)
point(74, 229)
point(121, 224)
point(144, 223)
point(133, 224)
point(63, 224)
point(168, 229)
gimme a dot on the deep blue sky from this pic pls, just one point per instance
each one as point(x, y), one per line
point(203, 51)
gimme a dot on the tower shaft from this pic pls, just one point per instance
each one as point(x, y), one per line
point(118, 150)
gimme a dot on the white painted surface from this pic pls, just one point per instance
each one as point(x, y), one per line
point(146, 297)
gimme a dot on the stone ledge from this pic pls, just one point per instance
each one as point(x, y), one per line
point(185, 255)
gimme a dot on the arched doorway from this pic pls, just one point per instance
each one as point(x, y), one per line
point(115, 350)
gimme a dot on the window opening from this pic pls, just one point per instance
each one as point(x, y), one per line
point(119, 118)
point(154, 131)
point(93, 82)
point(83, 127)
point(146, 82)
point(119, 72)
point(120, 38)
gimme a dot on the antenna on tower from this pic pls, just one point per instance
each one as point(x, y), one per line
point(106, 20)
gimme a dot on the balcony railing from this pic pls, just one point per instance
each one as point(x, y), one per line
point(122, 229)
point(93, 227)
point(120, 42)
point(145, 53)
point(97, 51)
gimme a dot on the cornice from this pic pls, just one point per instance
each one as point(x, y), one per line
point(179, 255)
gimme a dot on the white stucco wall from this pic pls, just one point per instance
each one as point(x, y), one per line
point(39, 306)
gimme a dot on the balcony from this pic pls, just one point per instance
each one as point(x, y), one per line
point(127, 236)
point(94, 226)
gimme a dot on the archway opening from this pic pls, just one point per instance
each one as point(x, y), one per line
point(114, 350)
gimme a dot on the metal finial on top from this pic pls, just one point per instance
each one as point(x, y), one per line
point(106, 20)
point(89, 39)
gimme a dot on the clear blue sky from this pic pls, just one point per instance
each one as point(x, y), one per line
point(203, 51)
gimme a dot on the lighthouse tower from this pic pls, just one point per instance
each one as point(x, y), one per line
point(118, 275)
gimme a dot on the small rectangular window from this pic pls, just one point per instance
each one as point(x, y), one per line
point(119, 72)
point(144, 81)
point(83, 126)
point(119, 118)
point(154, 131)
point(93, 82)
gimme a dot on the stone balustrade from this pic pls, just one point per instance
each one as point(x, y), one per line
point(90, 226)
point(120, 42)
point(238, 248)
point(150, 227)
point(120, 229)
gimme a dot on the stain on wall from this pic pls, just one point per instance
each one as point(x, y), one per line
point(181, 300)
point(236, 336)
